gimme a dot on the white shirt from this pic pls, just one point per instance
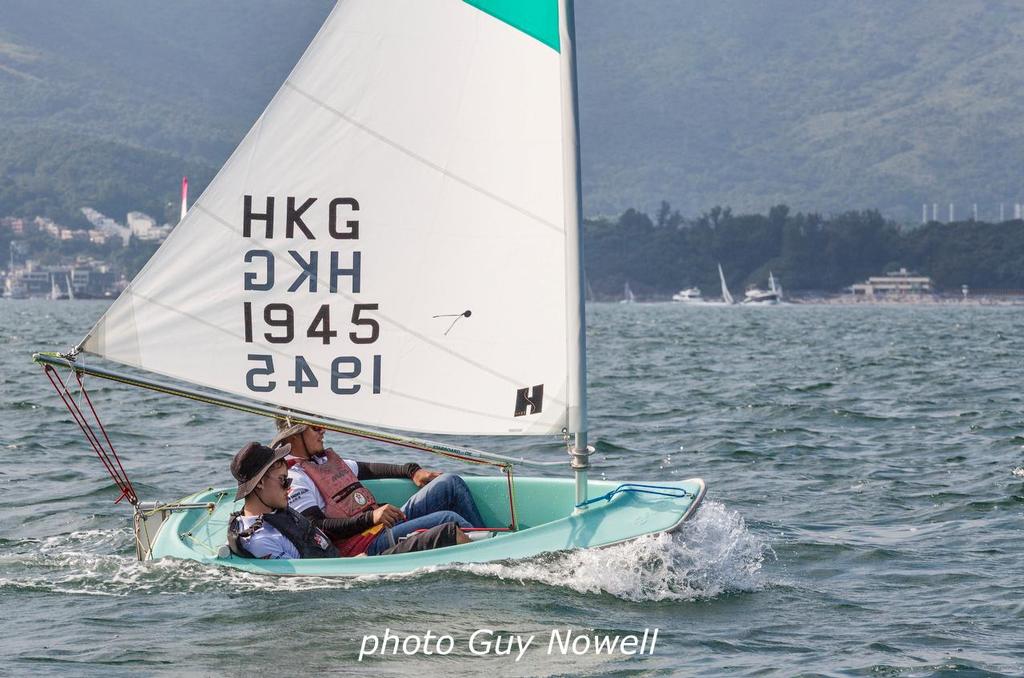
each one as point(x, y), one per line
point(266, 542)
point(303, 493)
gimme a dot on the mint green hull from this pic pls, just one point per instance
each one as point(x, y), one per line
point(543, 510)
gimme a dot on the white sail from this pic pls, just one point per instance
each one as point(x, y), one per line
point(394, 242)
point(725, 288)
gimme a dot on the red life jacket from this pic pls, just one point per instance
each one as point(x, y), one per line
point(344, 497)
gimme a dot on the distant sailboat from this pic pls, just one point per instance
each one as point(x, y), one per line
point(54, 290)
point(71, 289)
point(726, 297)
point(628, 296)
point(774, 286)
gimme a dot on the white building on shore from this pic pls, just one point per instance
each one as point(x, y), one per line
point(106, 225)
point(901, 283)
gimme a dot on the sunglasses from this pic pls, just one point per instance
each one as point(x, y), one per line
point(286, 482)
point(317, 429)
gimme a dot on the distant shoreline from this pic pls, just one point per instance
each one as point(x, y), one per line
point(849, 300)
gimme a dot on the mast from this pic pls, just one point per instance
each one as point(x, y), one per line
point(576, 316)
point(184, 198)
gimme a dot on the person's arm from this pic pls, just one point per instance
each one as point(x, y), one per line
point(267, 545)
point(374, 471)
point(339, 528)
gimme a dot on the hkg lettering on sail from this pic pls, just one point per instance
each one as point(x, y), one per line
point(295, 273)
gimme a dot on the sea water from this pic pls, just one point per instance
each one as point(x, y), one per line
point(865, 514)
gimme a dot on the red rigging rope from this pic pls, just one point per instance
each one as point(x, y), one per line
point(106, 453)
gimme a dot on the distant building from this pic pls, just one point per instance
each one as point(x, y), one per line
point(48, 226)
point(16, 225)
point(87, 277)
point(894, 284)
point(141, 225)
point(107, 226)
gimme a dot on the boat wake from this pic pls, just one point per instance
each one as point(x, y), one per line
point(103, 563)
point(714, 554)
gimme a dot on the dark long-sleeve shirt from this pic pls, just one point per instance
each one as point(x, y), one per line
point(342, 528)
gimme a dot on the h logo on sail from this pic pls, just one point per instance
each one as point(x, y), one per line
point(532, 399)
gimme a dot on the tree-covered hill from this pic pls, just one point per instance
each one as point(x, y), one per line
point(824, 105)
point(110, 102)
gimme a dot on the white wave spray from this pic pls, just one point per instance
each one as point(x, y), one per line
point(713, 554)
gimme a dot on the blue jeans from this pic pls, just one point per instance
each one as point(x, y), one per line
point(445, 499)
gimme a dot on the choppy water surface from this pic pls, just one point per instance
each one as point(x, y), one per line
point(864, 516)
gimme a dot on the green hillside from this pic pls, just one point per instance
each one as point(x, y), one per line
point(110, 102)
point(824, 106)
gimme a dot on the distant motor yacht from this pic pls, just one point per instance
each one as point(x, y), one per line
point(691, 295)
point(771, 296)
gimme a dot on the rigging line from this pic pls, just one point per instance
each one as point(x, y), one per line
point(75, 412)
point(171, 505)
point(639, 488)
point(120, 478)
point(424, 161)
point(103, 430)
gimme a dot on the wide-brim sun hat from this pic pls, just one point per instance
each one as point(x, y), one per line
point(252, 462)
point(286, 433)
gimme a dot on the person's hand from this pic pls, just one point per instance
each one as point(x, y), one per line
point(423, 476)
point(387, 515)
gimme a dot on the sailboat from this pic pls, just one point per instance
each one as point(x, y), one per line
point(71, 288)
point(627, 295)
point(54, 288)
point(397, 252)
point(726, 297)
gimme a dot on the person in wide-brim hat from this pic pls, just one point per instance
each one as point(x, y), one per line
point(252, 462)
point(266, 527)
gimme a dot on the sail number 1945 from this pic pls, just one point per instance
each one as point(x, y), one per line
point(280, 326)
point(342, 375)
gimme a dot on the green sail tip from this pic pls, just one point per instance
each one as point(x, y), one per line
point(536, 18)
